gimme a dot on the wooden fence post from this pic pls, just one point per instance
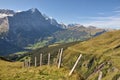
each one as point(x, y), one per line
point(48, 59)
point(60, 58)
point(35, 61)
point(100, 75)
point(40, 59)
point(57, 59)
point(75, 65)
point(26, 63)
point(29, 62)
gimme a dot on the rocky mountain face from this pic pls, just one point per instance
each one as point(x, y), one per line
point(4, 26)
point(4, 23)
point(29, 27)
point(26, 27)
point(6, 12)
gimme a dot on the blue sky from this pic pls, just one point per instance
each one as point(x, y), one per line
point(100, 13)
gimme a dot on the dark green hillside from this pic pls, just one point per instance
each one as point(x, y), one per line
point(75, 33)
point(53, 49)
point(7, 48)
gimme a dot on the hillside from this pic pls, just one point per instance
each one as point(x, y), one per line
point(77, 33)
point(15, 71)
point(101, 53)
point(67, 35)
point(7, 48)
point(53, 49)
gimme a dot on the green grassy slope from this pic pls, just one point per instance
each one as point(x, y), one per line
point(104, 49)
point(101, 53)
point(15, 71)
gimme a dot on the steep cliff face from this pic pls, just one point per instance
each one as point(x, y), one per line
point(4, 25)
point(29, 27)
point(26, 27)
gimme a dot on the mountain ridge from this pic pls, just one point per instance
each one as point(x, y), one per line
point(30, 27)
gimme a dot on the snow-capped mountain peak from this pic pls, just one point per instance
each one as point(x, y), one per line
point(6, 12)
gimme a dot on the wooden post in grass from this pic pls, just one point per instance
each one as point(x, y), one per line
point(57, 59)
point(40, 59)
point(60, 58)
point(29, 62)
point(48, 59)
point(26, 64)
point(100, 75)
point(35, 61)
point(75, 65)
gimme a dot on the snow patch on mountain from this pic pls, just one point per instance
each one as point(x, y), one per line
point(5, 15)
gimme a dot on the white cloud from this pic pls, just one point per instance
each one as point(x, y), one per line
point(117, 11)
point(97, 18)
point(104, 22)
point(4, 15)
point(18, 11)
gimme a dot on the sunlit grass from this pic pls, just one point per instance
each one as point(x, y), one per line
point(104, 48)
point(15, 71)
